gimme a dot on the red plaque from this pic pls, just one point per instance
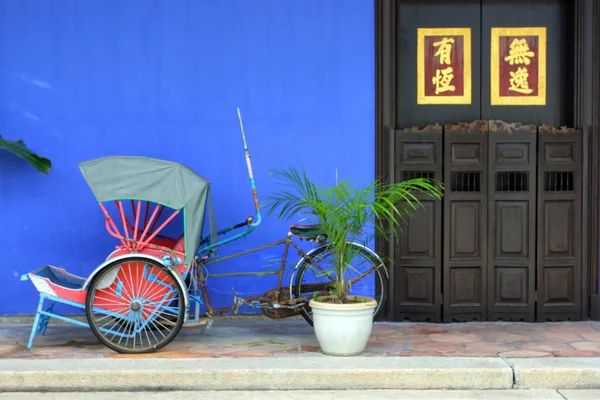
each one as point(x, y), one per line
point(444, 72)
point(518, 66)
point(444, 66)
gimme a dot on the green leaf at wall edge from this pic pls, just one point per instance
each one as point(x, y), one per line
point(19, 149)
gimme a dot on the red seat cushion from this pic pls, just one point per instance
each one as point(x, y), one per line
point(179, 245)
point(165, 242)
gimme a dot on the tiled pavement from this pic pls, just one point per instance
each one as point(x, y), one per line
point(258, 338)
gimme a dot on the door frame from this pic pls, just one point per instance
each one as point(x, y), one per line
point(586, 114)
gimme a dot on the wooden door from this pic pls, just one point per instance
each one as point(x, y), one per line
point(422, 14)
point(465, 221)
point(493, 257)
point(559, 223)
point(512, 221)
point(554, 75)
point(418, 256)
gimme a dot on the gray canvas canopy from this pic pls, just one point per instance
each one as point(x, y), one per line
point(164, 182)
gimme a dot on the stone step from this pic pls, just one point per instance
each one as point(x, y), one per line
point(293, 373)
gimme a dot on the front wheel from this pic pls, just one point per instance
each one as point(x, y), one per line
point(366, 276)
point(135, 305)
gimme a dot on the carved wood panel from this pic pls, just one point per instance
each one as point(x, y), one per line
point(418, 256)
point(465, 221)
point(559, 224)
point(512, 221)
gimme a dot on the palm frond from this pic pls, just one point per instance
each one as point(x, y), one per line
point(20, 149)
point(346, 212)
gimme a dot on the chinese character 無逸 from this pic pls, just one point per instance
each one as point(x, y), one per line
point(442, 80)
point(518, 81)
point(519, 52)
point(444, 50)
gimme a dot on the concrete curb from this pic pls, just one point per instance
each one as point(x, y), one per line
point(556, 373)
point(329, 373)
point(293, 373)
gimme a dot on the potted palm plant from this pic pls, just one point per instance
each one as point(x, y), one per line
point(19, 149)
point(346, 214)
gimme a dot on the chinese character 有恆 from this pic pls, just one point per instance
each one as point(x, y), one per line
point(518, 81)
point(442, 80)
point(443, 77)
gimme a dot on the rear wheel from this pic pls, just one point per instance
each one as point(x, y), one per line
point(310, 278)
point(135, 305)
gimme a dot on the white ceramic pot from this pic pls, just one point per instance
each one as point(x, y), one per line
point(343, 329)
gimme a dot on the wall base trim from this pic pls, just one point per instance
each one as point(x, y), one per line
point(595, 307)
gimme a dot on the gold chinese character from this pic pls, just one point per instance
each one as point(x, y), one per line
point(519, 52)
point(518, 81)
point(442, 80)
point(444, 50)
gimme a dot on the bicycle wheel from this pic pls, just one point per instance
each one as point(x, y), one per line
point(135, 306)
point(310, 279)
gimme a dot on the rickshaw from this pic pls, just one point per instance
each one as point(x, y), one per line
point(151, 285)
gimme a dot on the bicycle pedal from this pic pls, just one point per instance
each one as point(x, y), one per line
point(236, 301)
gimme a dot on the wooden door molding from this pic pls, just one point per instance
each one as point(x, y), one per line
point(586, 116)
point(385, 116)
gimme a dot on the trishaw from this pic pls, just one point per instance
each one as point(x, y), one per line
point(152, 285)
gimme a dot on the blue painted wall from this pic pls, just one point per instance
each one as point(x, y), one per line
point(81, 79)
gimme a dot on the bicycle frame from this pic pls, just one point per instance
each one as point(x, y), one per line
point(276, 301)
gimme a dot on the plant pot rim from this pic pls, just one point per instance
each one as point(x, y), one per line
point(369, 303)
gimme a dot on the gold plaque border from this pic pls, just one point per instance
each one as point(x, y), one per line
point(466, 97)
point(495, 98)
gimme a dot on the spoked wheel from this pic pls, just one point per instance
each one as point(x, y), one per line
point(366, 276)
point(135, 305)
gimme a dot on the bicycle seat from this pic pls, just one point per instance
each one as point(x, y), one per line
point(307, 231)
